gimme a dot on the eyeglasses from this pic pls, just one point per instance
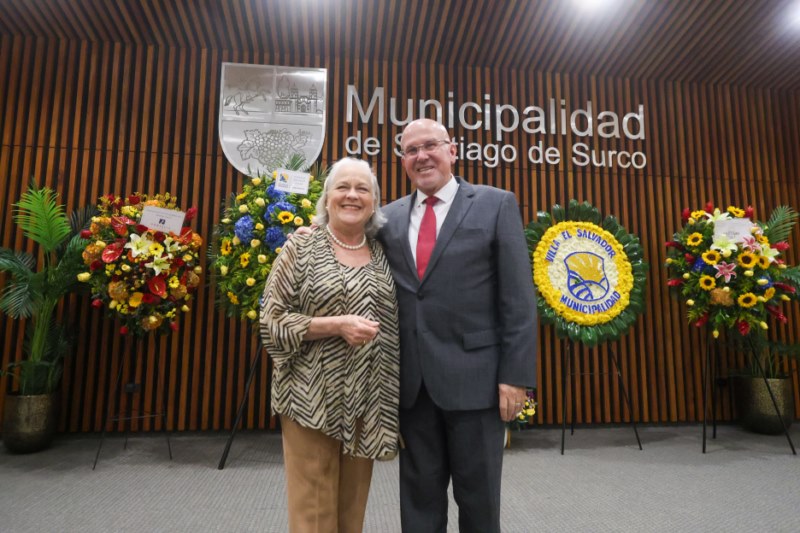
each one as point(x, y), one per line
point(427, 147)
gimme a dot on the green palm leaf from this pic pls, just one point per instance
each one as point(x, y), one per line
point(792, 275)
point(16, 263)
point(18, 299)
point(780, 223)
point(64, 278)
point(319, 171)
point(81, 218)
point(296, 162)
point(41, 218)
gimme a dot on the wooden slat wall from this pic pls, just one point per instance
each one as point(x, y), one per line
point(91, 117)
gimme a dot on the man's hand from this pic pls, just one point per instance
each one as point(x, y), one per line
point(512, 400)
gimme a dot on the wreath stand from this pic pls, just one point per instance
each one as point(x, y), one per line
point(240, 411)
point(131, 389)
point(710, 370)
point(566, 357)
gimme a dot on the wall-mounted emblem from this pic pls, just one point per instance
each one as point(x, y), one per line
point(267, 114)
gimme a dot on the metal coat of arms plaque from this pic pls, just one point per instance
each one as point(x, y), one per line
point(267, 114)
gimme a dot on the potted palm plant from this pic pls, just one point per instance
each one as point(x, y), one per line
point(752, 398)
point(34, 286)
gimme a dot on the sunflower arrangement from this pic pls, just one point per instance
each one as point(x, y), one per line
point(141, 276)
point(254, 226)
point(589, 272)
point(733, 284)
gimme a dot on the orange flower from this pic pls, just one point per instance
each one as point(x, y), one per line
point(135, 300)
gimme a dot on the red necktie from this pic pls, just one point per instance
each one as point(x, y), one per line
point(427, 236)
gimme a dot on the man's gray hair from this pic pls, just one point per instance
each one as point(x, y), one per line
point(377, 219)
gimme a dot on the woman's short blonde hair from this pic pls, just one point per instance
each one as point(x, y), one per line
point(377, 219)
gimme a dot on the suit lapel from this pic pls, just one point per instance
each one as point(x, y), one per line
point(461, 204)
point(401, 229)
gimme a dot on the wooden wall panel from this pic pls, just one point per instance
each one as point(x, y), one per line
point(92, 117)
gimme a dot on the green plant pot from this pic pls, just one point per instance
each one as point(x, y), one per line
point(755, 408)
point(29, 422)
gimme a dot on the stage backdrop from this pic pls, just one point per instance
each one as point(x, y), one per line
point(92, 103)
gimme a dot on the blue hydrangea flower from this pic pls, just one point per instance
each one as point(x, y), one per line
point(279, 206)
point(275, 238)
point(699, 264)
point(275, 196)
point(243, 228)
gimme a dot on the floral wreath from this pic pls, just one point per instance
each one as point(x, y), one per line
point(589, 272)
point(143, 277)
point(732, 282)
point(254, 226)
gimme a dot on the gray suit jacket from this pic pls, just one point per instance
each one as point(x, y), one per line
point(470, 323)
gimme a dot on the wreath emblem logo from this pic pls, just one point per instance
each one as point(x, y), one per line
point(589, 272)
point(587, 279)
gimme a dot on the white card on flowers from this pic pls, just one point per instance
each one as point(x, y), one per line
point(161, 219)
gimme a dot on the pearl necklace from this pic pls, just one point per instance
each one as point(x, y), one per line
point(344, 245)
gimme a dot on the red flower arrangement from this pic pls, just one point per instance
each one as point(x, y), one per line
point(142, 276)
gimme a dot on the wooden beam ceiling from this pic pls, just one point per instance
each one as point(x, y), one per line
point(731, 42)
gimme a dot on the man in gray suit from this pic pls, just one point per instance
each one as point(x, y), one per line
point(467, 333)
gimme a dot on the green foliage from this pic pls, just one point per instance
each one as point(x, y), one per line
point(779, 226)
point(792, 275)
point(41, 218)
point(34, 288)
point(764, 354)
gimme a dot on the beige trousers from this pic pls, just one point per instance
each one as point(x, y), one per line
point(327, 490)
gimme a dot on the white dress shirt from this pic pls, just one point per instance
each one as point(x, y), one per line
point(445, 195)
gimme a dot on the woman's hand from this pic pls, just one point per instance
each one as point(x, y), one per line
point(357, 330)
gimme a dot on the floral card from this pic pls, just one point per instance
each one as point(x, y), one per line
point(161, 219)
point(292, 181)
point(735, 229)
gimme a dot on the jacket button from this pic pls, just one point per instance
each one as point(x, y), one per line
point(420, 296)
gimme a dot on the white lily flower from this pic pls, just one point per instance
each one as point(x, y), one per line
point(158, 264)
point(723, 244)
point(139, 245)
point(717, 215)
point(171, 246)
point(770, 253)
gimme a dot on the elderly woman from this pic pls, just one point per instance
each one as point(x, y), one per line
point(329, 322)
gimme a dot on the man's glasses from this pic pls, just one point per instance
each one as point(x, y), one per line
point(427, 147)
